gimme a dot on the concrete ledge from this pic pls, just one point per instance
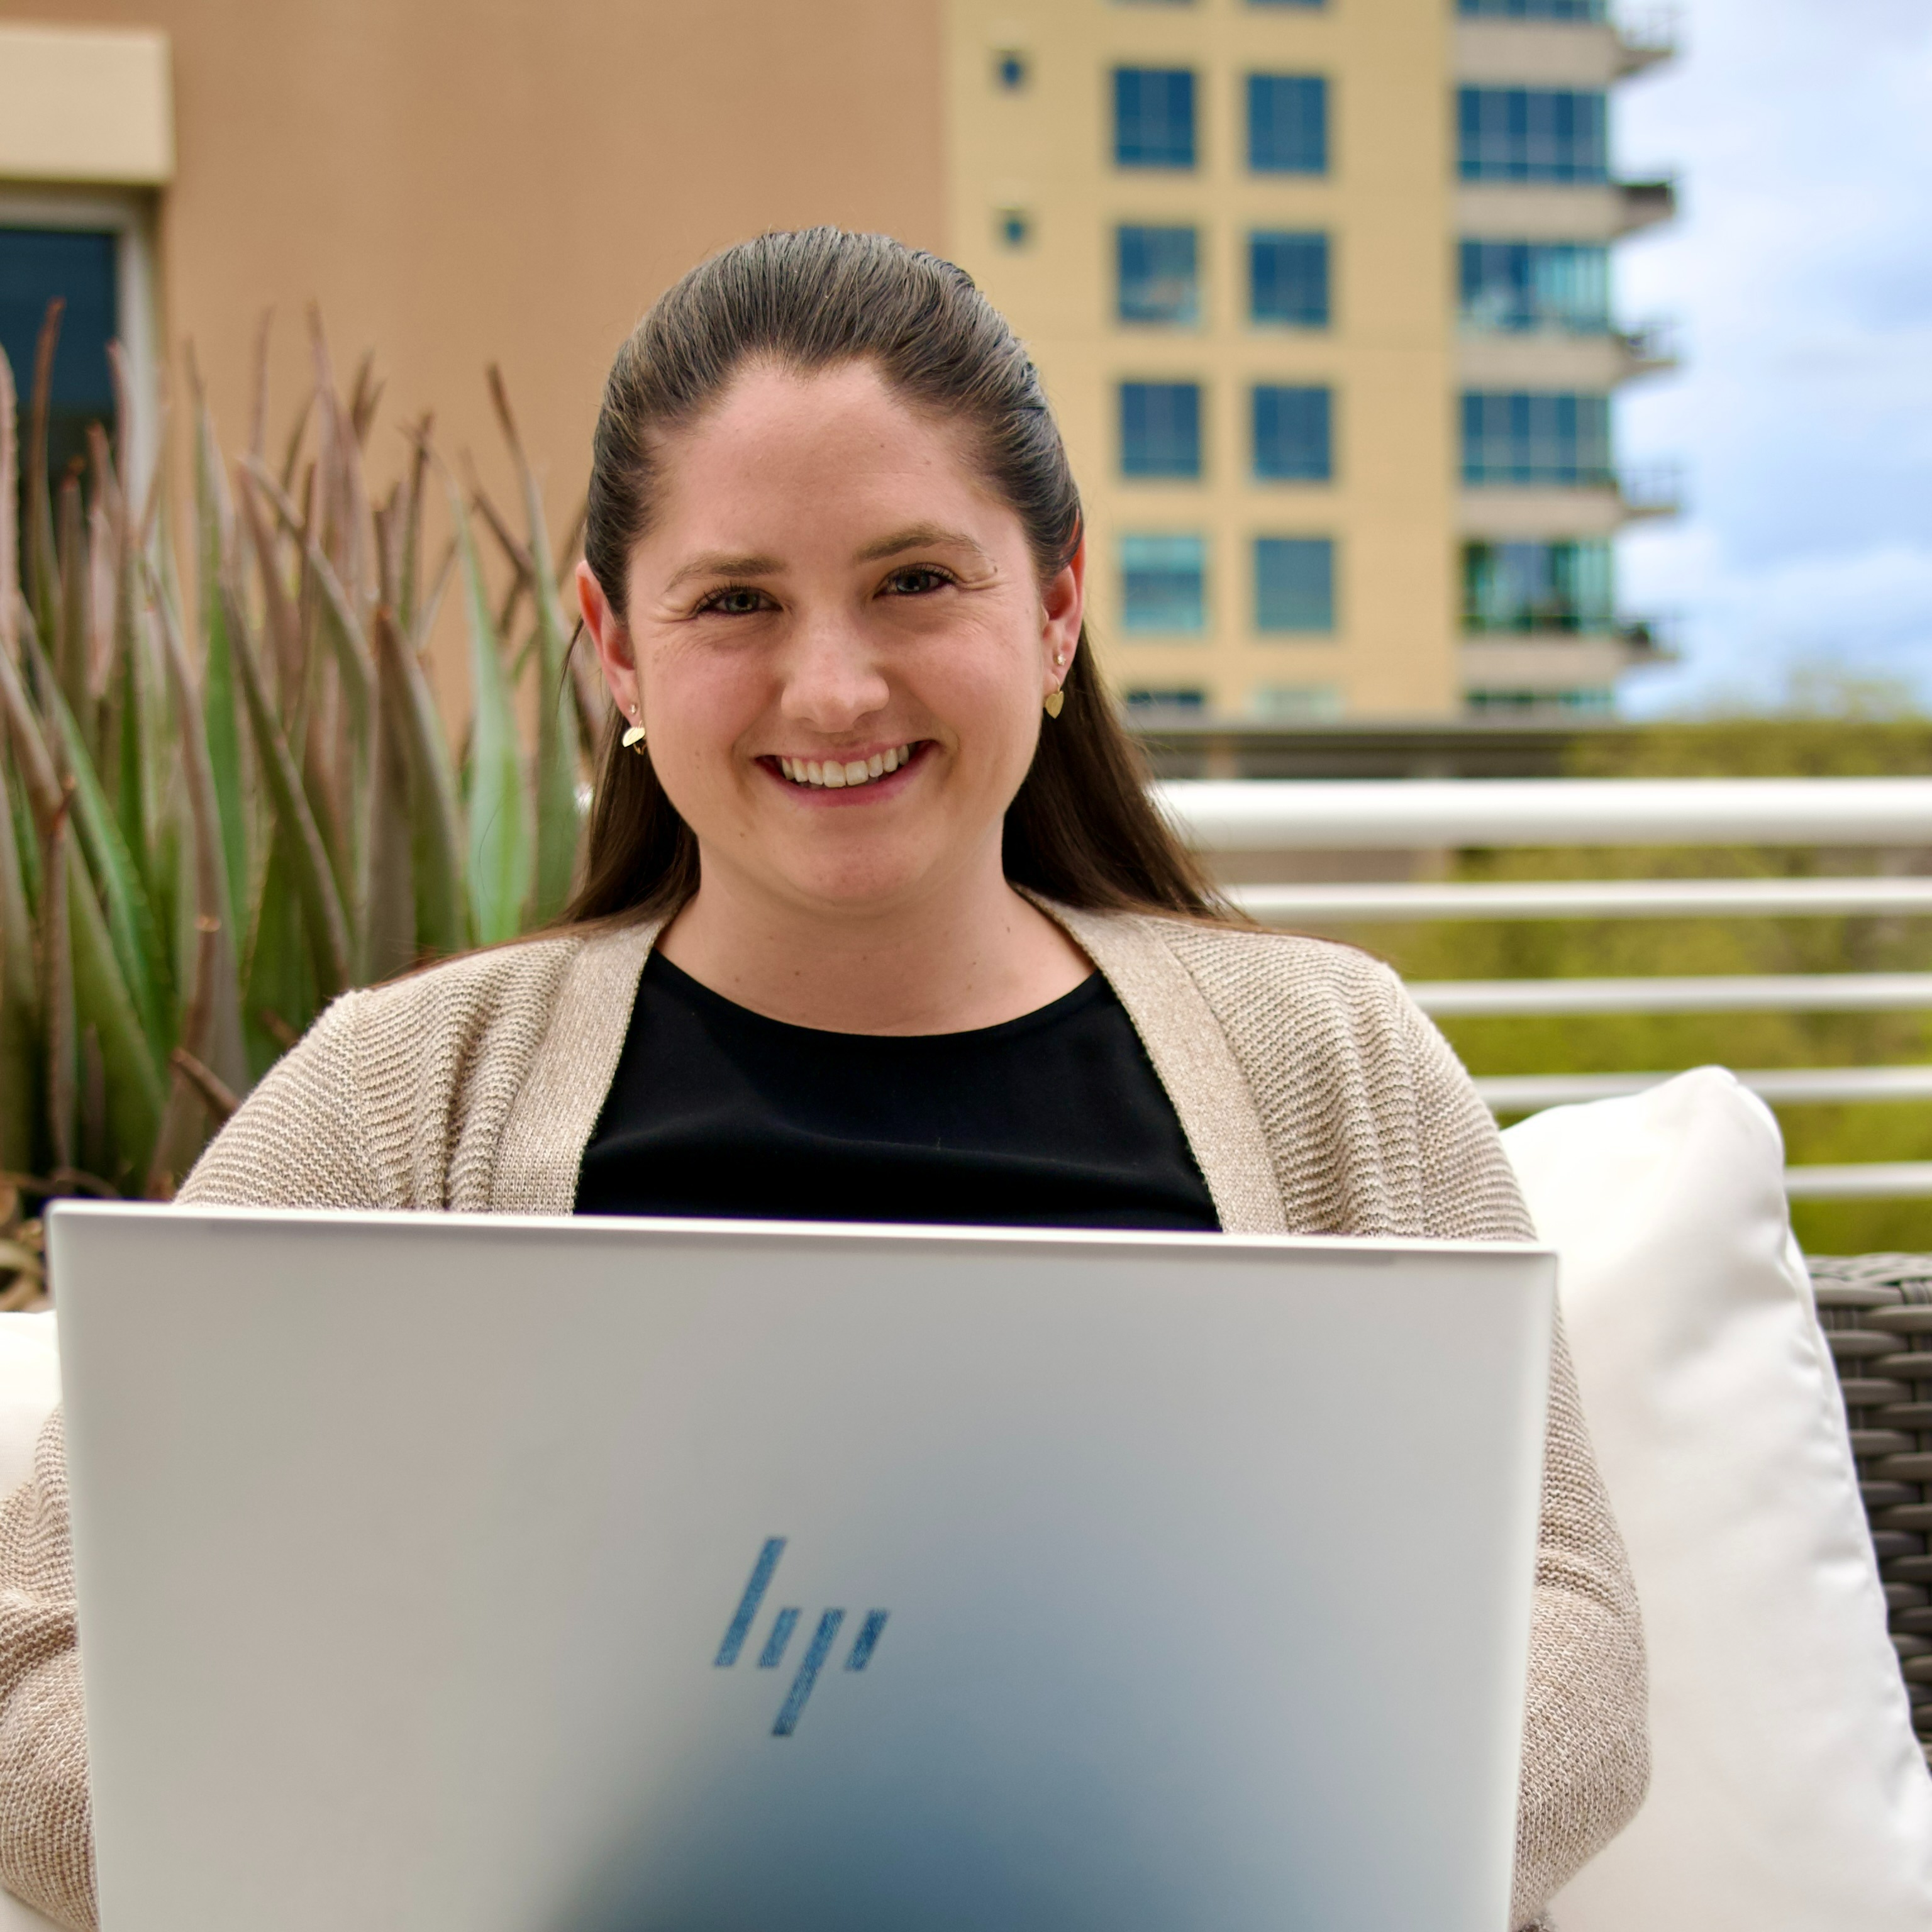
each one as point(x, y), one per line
point(90, 104)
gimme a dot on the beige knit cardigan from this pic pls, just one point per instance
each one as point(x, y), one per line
point(1317, 1100)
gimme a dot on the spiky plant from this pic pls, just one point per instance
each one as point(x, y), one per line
point(223, 802)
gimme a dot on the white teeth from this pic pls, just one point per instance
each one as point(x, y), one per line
point(836, 775)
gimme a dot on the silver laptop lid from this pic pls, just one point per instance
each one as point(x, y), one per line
point(440, 1573)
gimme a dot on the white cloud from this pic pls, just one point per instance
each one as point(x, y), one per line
point(1801, 134)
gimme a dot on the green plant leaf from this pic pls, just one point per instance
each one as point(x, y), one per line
point(135, 1089)
point(443, 918)
point(308, 862)
point(136, 937)
point(499, 858)
point(21, 1099)
point(559, 823)
point(221, 720)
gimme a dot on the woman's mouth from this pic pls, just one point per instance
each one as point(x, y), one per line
point(845, 774)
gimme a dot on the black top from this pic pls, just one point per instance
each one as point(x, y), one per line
point(1054, 1120)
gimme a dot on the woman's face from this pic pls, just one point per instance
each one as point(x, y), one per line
point(837, 641)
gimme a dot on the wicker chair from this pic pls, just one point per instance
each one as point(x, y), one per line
point(1877, 1313)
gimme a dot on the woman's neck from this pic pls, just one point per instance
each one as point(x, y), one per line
point(972, 954)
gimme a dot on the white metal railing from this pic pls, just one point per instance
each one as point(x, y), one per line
point(1259, 816)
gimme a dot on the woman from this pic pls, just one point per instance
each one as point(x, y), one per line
point(877, 923)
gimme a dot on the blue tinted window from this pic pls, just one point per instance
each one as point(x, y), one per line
point(1288, 279)
point(1294, 584)
point(1537, 10)
point(1187, 698)
point(1288, 124)
point(1539, 437)
point(1304, 4)
point(1159, 275)
point(1009, 71)
point(1163, 584)
point(1532, 134)
point(1528, 285)
point(1015, 227)
point(1292, 434)
point(1566, 586)
point(36, 264)
point(1160, 429)
point(1153, 117)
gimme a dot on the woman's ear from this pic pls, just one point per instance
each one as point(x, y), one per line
point(612, 640)
point(1063, 606)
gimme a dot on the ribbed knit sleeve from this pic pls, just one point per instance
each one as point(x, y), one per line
point(46, 1842)
point(1586, 1741)
point(1376, 1129)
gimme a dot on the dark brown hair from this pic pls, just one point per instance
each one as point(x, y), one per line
point(1081, 829)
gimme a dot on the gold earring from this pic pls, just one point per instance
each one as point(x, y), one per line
point(1051, 703)
point(634, 739)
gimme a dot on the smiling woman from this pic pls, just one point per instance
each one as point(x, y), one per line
point(877, 924)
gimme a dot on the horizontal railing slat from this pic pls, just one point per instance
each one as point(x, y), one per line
point(1867, 1180)
point(1742, 993)
point(1584, 898)
point(1287, 814)
point(1524, 1092)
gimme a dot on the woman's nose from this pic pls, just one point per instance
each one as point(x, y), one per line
point(831, 678)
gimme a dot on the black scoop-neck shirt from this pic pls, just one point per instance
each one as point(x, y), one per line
point(1054, 1120)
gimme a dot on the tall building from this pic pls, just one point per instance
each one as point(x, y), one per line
point(1321, 291)
point(1320, 288)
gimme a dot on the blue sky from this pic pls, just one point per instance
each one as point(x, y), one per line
point(1800, 270)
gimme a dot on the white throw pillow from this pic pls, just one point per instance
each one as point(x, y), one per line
point(1788, 1793)
point(29, 1390)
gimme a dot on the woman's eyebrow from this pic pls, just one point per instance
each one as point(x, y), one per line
point(918, 536)
point(718, 564)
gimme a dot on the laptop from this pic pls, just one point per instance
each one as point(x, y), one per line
point(440, 1572)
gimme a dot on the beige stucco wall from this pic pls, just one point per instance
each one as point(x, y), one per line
point(1386, 202)
point(460, 182)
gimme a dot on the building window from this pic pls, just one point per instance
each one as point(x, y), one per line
point(1015, 227)
point(1598, 701)
point(1159, 275)
point(1566, 586)
point(1532, 134)
point(1542, 437)
point(82, 267)
point(1011, 71)
point(1293, 442)
point(1160, 429)
point(1164, 585)
point(1530, 285)
point(1288, 279)
point(1184, 697)
point(1288, 124)
point(1294, 586)
point(1534, 9)
point(1307, 6)
point(1153, 117)
point(1295, 703)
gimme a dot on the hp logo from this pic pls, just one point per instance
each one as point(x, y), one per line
point(779, 1640)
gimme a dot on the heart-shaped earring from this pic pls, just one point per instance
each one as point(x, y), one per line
point(634, 739)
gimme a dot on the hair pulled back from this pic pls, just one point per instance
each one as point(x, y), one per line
point(1081, 829)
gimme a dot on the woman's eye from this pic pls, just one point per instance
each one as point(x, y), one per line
point(738, 600)
point(915, 580)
